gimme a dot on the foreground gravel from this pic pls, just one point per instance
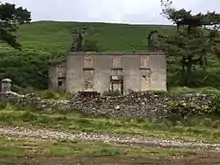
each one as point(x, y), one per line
point(46, 134)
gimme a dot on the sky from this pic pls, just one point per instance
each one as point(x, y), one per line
point(112, 11)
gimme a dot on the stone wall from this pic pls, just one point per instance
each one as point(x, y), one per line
point(143, 104)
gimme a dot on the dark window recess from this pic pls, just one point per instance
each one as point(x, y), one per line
point(60, 83)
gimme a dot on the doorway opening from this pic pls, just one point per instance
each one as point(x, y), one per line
point(117, 84)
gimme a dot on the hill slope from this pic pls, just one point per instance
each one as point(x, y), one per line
point(57, 35)
point(46, 40)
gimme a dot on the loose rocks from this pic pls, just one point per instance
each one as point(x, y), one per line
point(140, 104)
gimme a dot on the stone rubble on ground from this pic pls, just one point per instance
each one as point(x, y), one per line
point(135, 104)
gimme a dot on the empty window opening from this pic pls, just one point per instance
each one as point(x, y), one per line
point(117, 62)
point(88, 78)
point(145, 61)
point(88, 61)
point(60, 83)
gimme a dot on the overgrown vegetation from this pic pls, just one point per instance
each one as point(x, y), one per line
point(112, 93)
point(25, 68)
point(54, 94)
point(202, 127)
point(10, 18)
point(195, 39)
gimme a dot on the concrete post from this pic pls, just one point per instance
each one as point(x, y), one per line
point(6, 85)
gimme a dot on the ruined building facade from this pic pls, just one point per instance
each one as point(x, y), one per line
point(110, 71)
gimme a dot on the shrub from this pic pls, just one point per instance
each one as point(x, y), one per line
point(182, 109)
point(91, 45)
point(26, 68)
point(215, 104)
point(112, 93)
point(54, 94)
point(3, 105)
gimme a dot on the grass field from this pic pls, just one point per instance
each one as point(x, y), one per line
point(51, 36)
point(195, 128)
point(18, 151)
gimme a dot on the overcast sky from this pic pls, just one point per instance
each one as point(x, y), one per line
point(117, 11)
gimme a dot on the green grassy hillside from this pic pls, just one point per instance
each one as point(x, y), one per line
point(57, 35)
point(46, 40)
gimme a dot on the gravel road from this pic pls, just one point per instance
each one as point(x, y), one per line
point(46, 134)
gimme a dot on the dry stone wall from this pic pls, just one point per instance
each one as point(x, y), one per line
point(141, 104)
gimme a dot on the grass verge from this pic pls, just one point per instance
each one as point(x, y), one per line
point(195, 128)
point(28, 147)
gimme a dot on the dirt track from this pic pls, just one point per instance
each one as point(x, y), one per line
point(211, 159)
point(21, 132)
point(199, 160)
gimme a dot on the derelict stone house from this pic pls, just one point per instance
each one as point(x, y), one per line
point(109, 71)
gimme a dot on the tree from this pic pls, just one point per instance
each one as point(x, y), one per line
point(10, 19)
point(196, 37)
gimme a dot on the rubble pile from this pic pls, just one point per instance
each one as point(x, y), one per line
point(135, 104)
